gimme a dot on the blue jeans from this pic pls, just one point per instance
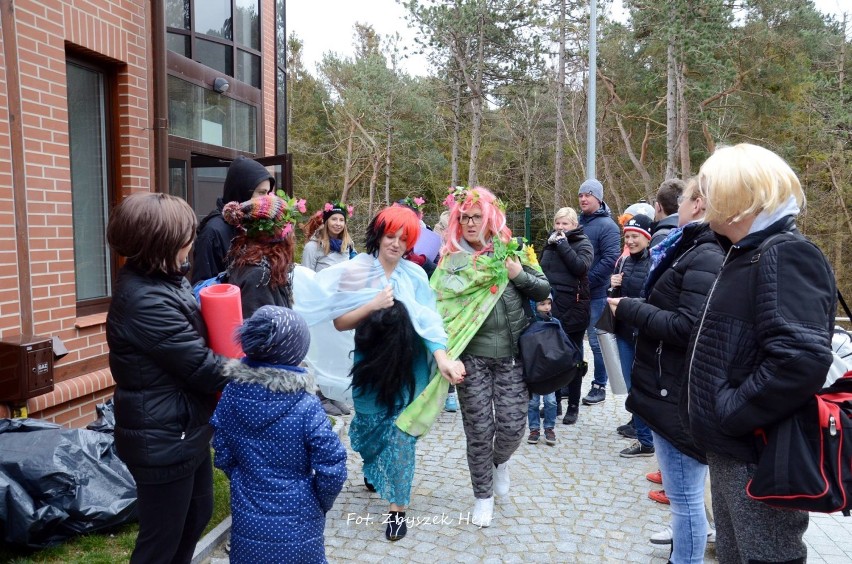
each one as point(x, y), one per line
point(596, 307)
point(626, 353)
point(683, 480)
point(549, 411)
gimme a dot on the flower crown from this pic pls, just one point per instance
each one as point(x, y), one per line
point(336, 206)
point(415, 203)
point(265, 217)
point(458, 194)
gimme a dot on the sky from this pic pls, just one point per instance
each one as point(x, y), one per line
point(328, 25)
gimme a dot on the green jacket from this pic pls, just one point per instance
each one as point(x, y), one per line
point(498, 336)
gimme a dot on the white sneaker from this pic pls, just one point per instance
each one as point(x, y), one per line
point(502, 481)
point(665, 536)
point(483, 511)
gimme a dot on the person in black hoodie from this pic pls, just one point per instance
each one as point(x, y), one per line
point(246, 179)
point(565, 260)
point(762, 346)
point(166, 376)
point(682, 272)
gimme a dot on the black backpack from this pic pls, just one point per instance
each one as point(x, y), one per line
point(550, 359)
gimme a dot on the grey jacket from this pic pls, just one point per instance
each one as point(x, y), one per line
point(498, 336)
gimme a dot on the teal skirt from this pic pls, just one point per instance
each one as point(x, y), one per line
point(388, 454)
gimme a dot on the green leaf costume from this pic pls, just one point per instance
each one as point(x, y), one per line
point(467, 288)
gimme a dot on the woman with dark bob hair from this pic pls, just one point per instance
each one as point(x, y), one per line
point(762, 343)
point(399, 341)
point(166, 377)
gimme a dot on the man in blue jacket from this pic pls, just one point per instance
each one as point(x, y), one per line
point(605, 237)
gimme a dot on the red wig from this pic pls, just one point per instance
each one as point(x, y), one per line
point(391, 220)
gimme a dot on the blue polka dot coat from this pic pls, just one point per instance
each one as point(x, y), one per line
point(286, 466)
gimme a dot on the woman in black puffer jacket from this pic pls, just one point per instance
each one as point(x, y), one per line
point(762, 347)
point(166, 376)
point(686, 263)
point(565, 260)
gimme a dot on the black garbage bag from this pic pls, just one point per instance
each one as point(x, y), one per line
point(56, 483)
point(105, 423)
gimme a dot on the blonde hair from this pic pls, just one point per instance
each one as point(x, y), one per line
point(443, 222)
point(569, 213)
point(743, 180)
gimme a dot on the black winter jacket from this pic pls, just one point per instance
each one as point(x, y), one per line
point(255, 291)
point(676, 292)
point(166, 377)
point(211, 246)
point(566, 264)
point(762, 347)
point(635, 269)
point(663, 228)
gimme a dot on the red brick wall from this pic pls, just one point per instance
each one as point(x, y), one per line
point(112, 33)
point(10, 306)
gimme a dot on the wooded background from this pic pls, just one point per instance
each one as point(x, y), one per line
point(507, 102)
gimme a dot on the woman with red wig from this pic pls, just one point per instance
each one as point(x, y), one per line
point(399, 340)
point(481, 258)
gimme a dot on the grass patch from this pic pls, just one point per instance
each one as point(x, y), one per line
point(108, 547)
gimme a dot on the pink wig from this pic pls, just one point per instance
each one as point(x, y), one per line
point(493, 220)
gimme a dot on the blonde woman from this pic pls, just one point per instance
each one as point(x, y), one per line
point(565, 260)
point(762, 345)
point(329, 242)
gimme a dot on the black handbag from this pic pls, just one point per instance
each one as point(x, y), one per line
point(806, 459)
point(550, 359)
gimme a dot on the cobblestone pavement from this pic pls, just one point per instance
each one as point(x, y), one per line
point(577, 501)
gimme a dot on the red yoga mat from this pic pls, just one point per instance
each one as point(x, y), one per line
point(221, 308)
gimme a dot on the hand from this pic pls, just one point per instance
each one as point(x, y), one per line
point(613, 304)
point(453, 371)
point(384, 299)
point(560, 235)
point(615, 279)
point(514, 267)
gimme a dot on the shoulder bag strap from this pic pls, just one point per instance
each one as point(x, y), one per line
point(843, 303)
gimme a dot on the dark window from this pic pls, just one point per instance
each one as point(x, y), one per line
point(89, 131)
point(178, 43)
point(215, 55)
point(221, 34)
point(247, 25)
point(177, 14)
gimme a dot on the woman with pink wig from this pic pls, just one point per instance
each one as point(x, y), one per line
point(480, 258)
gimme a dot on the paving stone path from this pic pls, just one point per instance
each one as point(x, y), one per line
point(577, 501)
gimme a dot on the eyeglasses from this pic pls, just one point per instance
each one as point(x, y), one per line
point(470, 219)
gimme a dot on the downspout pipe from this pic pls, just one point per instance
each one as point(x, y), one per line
point(160, 127)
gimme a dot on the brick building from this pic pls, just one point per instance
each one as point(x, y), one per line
point(100, 99)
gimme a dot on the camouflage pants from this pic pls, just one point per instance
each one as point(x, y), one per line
point(494, 401)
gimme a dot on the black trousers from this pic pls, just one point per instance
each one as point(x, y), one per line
point(172, 517)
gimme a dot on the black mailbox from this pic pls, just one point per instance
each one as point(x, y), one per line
point(26, 367)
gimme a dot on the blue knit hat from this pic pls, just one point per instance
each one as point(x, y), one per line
point(593, 187)
point(275, 335)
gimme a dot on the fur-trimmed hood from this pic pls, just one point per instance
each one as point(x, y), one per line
point(260, 398)
point(273, 379)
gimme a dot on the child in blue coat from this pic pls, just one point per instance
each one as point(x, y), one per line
point(274, 441)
